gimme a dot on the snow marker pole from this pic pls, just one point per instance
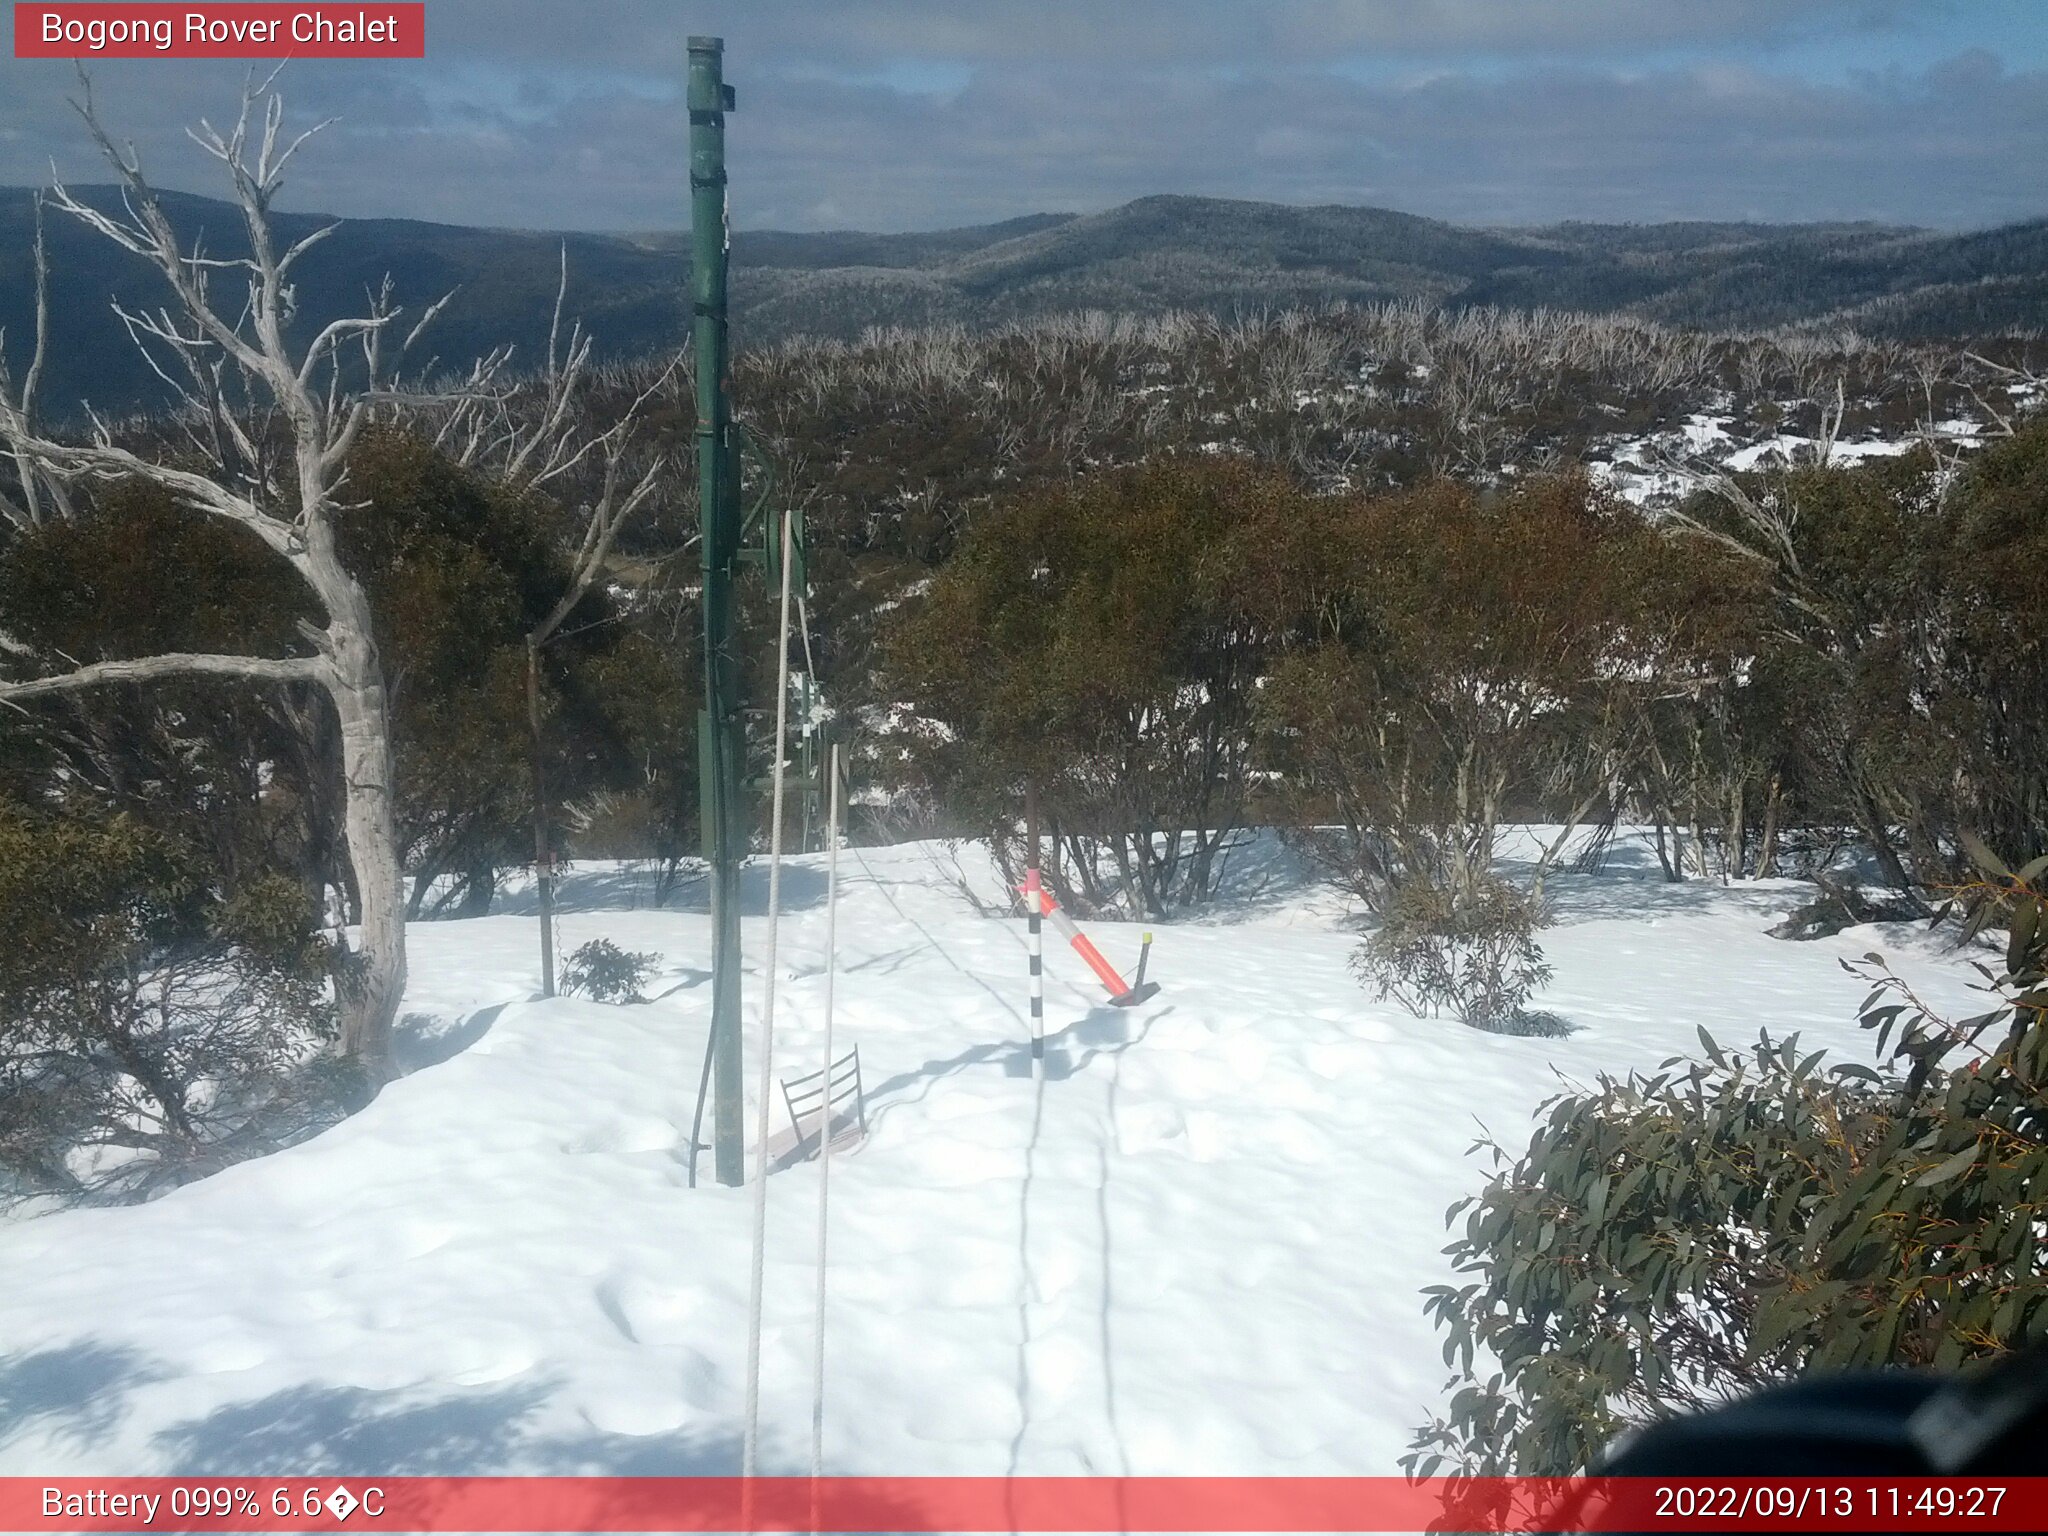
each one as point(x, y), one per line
point(1144, 954)
point(1031, 894)
point(1032, 887)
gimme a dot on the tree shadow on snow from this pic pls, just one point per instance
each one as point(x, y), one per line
point(74, 1394)
point(1257, 874)
point(1592, 898)
point(78, 1394)
point(1630, 882)
point(1102, 1031)
point(355, 1432)
point(426, 1039)
point(686, 977)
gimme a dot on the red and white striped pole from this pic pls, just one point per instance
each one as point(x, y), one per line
point(1038, 903)
point(1031, 892)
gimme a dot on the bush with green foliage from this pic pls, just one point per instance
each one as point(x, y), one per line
point(606, 973)
point(1894, 646)
point(459, 569)
point(1473, 951)
point(1669, 1242)
point(1458, 670)
point(151, 1031)
point(1104, 640)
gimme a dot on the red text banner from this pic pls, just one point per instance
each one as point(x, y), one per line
point(214, 31)
point(1051, 1504)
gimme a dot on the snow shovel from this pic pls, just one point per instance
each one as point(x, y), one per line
point(1141, 988)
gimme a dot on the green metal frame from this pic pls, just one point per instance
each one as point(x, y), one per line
point(731, 537)
point(720, 726)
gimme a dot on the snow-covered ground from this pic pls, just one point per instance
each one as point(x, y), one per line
point(1196, 1248)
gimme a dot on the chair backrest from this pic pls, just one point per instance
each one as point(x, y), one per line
point(837, 1084)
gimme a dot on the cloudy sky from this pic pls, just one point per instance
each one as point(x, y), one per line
point(919, 114)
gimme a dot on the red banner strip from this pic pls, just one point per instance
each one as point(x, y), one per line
point(1051, 1504)
point(215, 31)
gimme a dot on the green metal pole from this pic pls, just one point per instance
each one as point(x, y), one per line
point(719, 725)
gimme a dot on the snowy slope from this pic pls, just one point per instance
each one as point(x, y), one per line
point(1197, 1249)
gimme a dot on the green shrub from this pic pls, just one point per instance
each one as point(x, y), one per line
point(150, 1032)
point(1103, 640)
point(606, 973)
point(1666, 1243)
point(1474, 953)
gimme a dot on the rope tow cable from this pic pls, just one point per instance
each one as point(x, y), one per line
point(834, 765)
point(750, 1447)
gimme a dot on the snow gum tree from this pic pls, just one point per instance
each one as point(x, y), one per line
point(1104, 640)
point(1899, 674)
point(270, 424)
point(1468, 664)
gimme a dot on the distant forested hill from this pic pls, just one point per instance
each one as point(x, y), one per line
point(1156, 253)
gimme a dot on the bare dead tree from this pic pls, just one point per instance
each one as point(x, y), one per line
point(1970, 374)
point(1765, 533)
point(533, 439)
point(1831, 422)
point(290, 507)
point(33, 486)
point(603, 518)
point(2002, 422)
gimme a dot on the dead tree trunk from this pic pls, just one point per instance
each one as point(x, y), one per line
point(280, 487)
point(371, 828)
